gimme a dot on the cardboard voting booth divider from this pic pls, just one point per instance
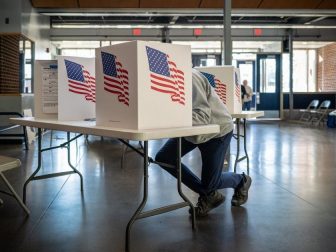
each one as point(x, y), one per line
point(226, 81)
point(143, 85)
point(65, 88)
point(76, 88)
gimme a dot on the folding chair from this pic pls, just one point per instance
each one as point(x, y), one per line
point(318, 116)
point(7, 163)
point(10, 127)
point(306, 116)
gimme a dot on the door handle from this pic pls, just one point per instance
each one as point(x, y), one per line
point(257, 97)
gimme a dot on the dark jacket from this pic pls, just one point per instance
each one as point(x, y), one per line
point(243, 91)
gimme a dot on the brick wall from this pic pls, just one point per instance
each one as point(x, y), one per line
point(9, 64)
point(326, 68)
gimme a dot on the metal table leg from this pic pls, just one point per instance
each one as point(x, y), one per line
point(238, 159)
point(238, 144)
point(39, 162)
point(69, 160)
point(125, 148)
point(138, 213)
point(179, 183)
point(144, 199)
point(245, 150)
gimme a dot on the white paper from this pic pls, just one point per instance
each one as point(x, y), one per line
point(49, 89)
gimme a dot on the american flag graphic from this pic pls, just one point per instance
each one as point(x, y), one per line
point(115, 77)
point(165, 76)
point(237, 87)
point(80, 81)
point(220, 87)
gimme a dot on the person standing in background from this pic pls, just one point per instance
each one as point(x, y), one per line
point(247, 96)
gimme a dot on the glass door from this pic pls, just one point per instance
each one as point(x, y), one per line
point(268, 84)
point(247, 72)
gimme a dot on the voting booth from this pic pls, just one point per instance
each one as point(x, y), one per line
point(226, 81)
point(65, 88)
point(143, 85)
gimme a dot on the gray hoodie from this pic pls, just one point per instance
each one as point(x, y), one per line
point(207, 108)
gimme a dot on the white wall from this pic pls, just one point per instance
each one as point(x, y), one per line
point(37, 28)
point(25, 20)
point(10, 9)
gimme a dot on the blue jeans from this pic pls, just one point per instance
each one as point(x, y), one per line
point(212, 153)
point(247, 105)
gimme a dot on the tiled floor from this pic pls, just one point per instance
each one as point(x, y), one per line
point(291, 205)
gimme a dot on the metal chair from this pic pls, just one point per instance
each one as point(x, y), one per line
point(7, 163)
point(10, 127)
point(306, 115)
point(318, 116)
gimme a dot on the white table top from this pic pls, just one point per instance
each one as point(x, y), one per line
point(90, 128)
point(248, 114)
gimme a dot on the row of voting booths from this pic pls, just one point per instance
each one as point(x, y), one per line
point(134, 85)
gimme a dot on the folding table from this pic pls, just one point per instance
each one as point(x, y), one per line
point(243, 115)
point(89, 128)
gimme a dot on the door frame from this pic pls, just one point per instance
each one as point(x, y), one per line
point(254, 79)
point(278, 77)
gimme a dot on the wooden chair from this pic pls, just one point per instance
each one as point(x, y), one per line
point(319, 115)
point(306, 115)
point(7, 163)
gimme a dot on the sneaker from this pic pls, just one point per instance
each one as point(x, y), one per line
point(240, 195)
point(206, 203)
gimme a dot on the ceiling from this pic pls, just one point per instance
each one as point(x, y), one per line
point(251, 4)
point(187, 12)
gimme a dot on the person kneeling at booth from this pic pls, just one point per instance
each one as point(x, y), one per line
point(207, 108)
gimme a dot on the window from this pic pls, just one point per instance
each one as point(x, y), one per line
point(26, 59)
point(285, 72)
point(300, 67)
point(88, 53)
point(312, 70)
point(267, 75)
point(81, 48)
point(304, 71)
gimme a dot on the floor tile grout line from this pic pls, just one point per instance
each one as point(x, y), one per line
point(43, 213)
point(292, 193)
point(48, 207)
